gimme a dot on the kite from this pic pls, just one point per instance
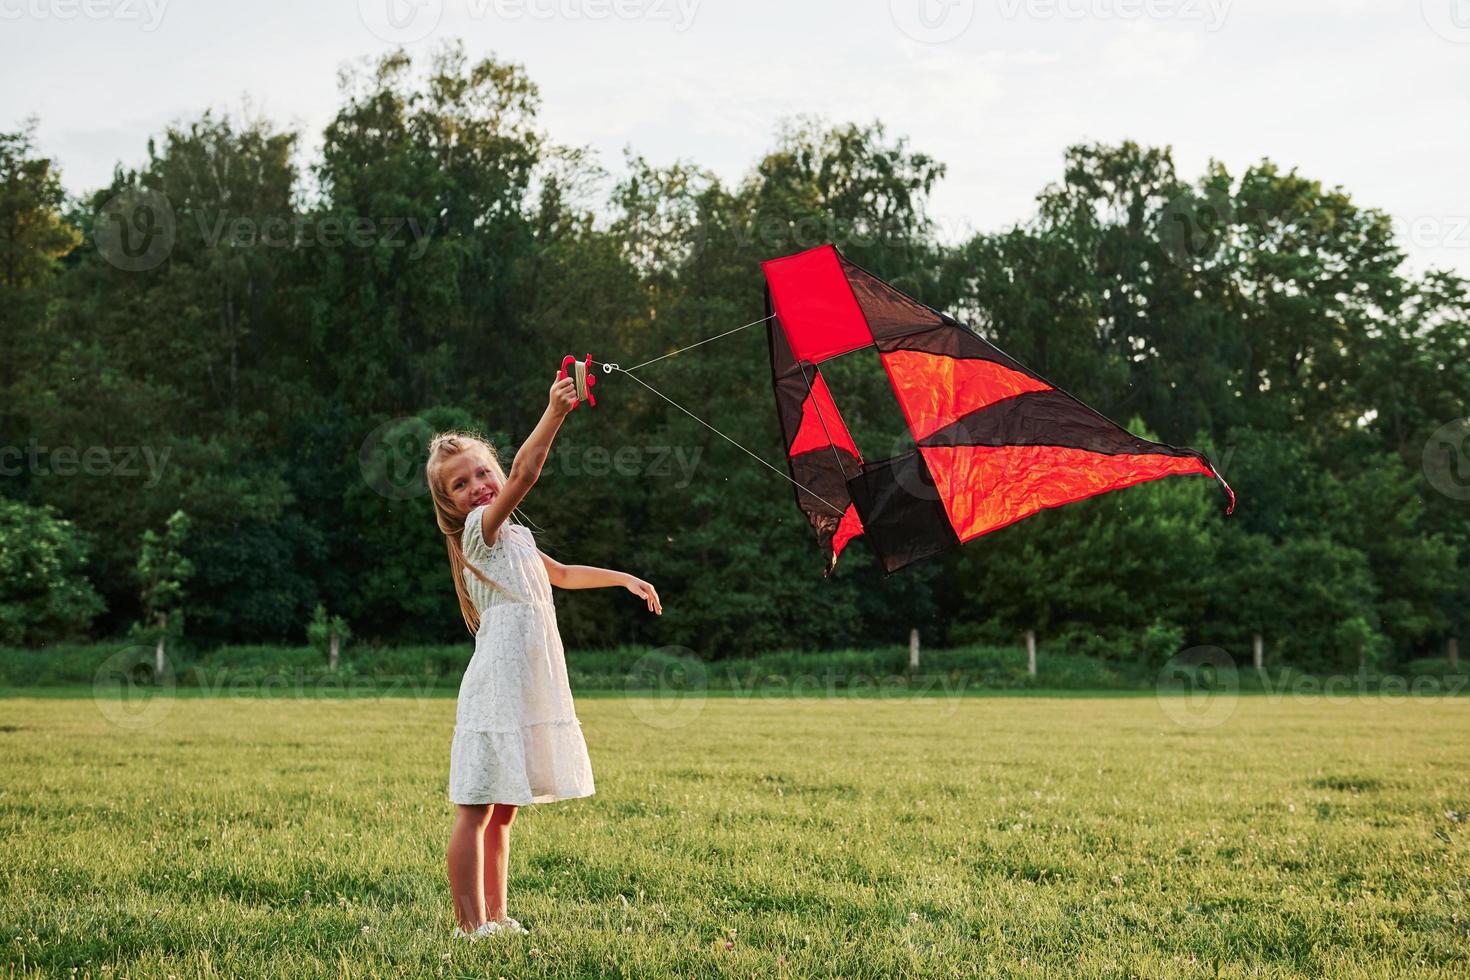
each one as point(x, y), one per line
point(994, 442)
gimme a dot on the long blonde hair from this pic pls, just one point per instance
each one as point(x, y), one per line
point(443, 447)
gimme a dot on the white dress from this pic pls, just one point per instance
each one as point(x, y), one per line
point(517, 738)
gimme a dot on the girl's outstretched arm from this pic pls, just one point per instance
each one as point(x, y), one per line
point(525, 469)
point(592, 577)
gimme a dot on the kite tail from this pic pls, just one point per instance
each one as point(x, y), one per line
point(1229, 508)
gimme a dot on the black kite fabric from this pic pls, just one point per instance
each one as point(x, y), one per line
point(994, 441)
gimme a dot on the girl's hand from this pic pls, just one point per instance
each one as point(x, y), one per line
point(646, 592)
point(563, 396)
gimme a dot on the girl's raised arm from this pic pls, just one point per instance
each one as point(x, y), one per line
point(525, 469)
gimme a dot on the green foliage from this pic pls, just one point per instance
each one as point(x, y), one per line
point(322, 628)
point(34, 235)
point(278, 370)
point(1161, 641)
point(161, 573)
point(43, 594)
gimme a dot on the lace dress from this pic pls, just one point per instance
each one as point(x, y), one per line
point(517, 738)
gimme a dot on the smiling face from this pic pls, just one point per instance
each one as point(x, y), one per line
point(471, 479)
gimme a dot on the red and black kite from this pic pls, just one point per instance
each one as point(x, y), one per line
point(994, 441)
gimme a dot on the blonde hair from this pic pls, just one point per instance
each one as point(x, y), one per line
point(443, 447)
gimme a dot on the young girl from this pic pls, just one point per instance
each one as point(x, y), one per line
point(517, 739)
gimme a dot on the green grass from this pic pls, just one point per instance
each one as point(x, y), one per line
point(1123, 836)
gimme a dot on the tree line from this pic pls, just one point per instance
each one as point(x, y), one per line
point(263, 344)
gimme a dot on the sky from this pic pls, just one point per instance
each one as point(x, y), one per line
point(1369, 95)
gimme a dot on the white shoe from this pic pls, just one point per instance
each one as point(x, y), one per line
point(483, 929)
point(512, 926)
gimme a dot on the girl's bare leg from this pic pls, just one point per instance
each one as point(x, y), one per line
point(467, 863)
point(497, 859)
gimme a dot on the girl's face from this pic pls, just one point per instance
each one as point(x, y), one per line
point(471, 480)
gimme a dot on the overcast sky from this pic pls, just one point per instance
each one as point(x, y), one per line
point(1371, 95)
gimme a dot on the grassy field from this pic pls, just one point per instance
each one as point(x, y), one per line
point(748, 836)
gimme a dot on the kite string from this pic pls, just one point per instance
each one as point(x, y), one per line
point(690, 347)
point(723, 436)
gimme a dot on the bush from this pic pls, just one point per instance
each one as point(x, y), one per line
point(1160, 642)
point(43, 594)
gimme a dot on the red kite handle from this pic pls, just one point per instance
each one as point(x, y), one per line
point(586, 378)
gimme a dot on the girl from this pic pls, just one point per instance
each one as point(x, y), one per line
point(517, 739)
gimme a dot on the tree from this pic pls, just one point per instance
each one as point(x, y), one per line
point(44, 595)
point(327, 633)
point(33, 237)
point(161, 573)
